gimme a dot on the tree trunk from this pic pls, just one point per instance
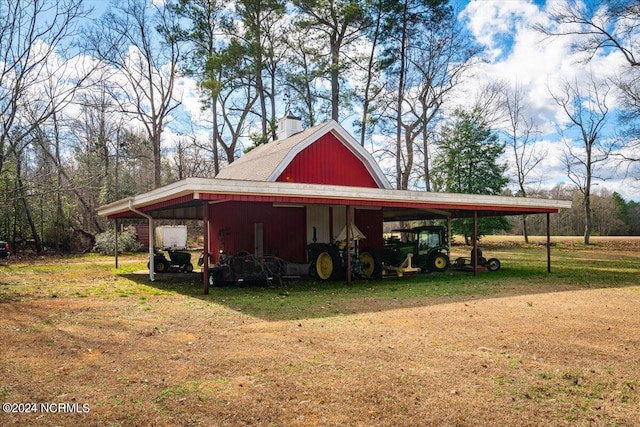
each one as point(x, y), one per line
point(425, 148)
point(401, 77)
point(335, 78)
point(367, 88)
point(214, 137)
point(587, 217)
point(408, 167)
point(157, 160)
point(59, 221)
point(27, 209)
point(263, 104)
point(525, 233)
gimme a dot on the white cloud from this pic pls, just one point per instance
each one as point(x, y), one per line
point(517, 53)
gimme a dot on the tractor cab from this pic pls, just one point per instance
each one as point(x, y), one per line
point(423, 247)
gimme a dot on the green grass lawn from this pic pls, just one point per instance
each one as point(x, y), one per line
point(523, 271)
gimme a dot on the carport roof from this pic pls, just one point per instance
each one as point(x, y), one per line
point(185, 200)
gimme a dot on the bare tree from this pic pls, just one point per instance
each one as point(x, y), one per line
point(136, 38)
point(586, 108)
point(188, 160)
point(521, 136)
point(31, 35)
point(597, 26)
point(40, 73)
point(426, 54)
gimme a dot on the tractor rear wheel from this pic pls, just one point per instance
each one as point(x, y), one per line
point(325, 266)
point(159, 266)
point(438, 262)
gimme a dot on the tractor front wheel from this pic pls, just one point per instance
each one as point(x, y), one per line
point(438, 262)
point(159, 267)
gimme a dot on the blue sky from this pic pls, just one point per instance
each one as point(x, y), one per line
point(519, 54)
point(515, 53)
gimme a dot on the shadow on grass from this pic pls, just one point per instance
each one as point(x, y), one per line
point(305, 298)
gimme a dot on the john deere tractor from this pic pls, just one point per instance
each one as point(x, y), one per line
point(421, 248)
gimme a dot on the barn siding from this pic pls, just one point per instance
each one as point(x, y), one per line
point(370, 223)
point(327, 161)
point(232, 229)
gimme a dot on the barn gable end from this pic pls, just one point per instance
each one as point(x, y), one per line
point(327, 161)
point(325, 154)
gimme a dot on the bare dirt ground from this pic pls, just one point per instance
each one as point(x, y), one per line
point(549, 357)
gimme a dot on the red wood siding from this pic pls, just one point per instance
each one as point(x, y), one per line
point(232, 229)
point(327, 161)
point(370, 223)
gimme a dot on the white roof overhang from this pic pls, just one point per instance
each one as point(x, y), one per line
point(185, 199)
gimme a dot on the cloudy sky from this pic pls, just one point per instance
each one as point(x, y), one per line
point(516, 54)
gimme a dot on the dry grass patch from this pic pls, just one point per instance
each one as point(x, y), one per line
point(515, 348)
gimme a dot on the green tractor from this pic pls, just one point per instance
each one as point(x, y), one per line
point(417, 249)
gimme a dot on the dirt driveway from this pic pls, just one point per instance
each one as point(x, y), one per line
point(545, 358)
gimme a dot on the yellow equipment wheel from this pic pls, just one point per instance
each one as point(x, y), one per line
point(324, 265)
point(159, 267)
point(438, 262)
point(368, 264)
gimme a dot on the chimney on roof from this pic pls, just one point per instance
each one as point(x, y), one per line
point(288, 126)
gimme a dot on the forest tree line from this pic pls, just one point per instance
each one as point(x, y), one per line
point(92, 109)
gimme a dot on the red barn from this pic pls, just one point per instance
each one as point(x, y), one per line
point(324, 155)
point(305, 187)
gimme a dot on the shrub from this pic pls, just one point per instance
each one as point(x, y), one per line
point(106, 243)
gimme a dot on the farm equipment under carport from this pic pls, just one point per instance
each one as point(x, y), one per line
point(463, 263)
point(329, 260)
point(179, 261)
point(245, 267)
point(173, 239)
point(419, 249)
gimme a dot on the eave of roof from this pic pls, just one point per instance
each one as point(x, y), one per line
point(193, 191)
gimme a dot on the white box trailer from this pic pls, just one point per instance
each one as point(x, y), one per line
point(172, 237)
